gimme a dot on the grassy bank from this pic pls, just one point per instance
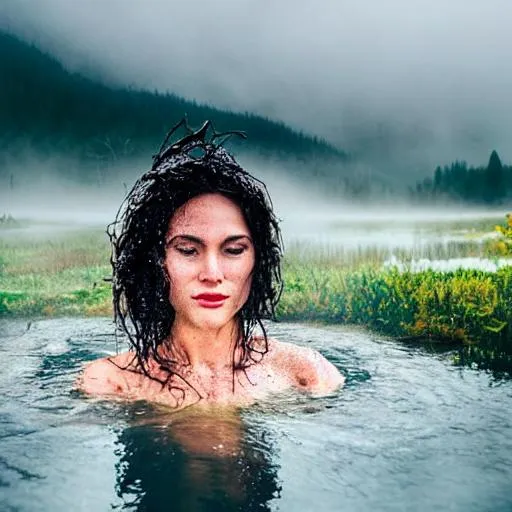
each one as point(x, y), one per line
point(61, 276)
point(467, 306)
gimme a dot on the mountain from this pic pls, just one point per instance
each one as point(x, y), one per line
point(48, 112)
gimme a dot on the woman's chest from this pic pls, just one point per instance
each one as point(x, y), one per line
point(238, 387)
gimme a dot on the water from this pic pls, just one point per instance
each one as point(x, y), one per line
point(390, 229)
point(483, 264)
point(410, 431)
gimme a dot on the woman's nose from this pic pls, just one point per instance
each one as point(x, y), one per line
point(211, 269)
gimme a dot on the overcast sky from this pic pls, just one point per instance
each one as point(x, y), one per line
point(436, 74)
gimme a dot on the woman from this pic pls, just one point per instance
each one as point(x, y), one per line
point(196, 267)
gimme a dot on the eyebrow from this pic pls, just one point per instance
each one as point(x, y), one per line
point(200, 241)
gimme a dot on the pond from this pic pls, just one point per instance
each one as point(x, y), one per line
point(410, 431)
point(407, 228)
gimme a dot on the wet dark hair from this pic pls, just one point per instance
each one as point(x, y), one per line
point(194, 165)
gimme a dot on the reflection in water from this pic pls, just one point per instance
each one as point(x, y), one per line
point(194, 461)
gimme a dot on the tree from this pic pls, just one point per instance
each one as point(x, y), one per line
point(495, 179)
point(438, 179)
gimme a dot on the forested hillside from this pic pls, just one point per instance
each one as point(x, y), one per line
point(46, 111)
point(77, 128)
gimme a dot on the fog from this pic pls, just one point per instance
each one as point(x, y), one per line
point(48, 206)
point(43, 196)
point(402, 84)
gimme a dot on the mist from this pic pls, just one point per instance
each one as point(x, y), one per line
point(402, 85)
point(45, 197)
point(47, 205)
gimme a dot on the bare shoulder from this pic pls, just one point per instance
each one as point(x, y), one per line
point(106, 376)
point(307, 368)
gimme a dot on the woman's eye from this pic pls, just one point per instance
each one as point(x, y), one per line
point(235, 251)
point(186, 251)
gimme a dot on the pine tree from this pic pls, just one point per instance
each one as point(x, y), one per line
point(438, 179)
point(494, 179)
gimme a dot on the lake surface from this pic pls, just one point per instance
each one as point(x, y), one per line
point(386, 228)
point(410, 431)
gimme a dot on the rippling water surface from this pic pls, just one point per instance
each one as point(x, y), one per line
point(410, 431)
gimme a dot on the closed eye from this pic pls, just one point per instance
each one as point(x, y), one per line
point(186, 251)
point(235, 251)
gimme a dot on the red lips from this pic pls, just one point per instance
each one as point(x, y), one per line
point(210, 300)
point(214, 297)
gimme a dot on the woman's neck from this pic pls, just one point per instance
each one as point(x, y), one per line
point(200, 348)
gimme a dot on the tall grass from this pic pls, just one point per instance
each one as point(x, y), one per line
point(353, 258)
point(468, 306)
point(64, 275)
point(34, 252)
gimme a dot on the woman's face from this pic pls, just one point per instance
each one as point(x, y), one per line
point(209, 261)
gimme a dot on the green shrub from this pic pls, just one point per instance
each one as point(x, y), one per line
point(466, 306)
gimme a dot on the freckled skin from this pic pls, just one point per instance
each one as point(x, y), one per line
point(209, 250)
point(214, 265)
point(284, 367)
